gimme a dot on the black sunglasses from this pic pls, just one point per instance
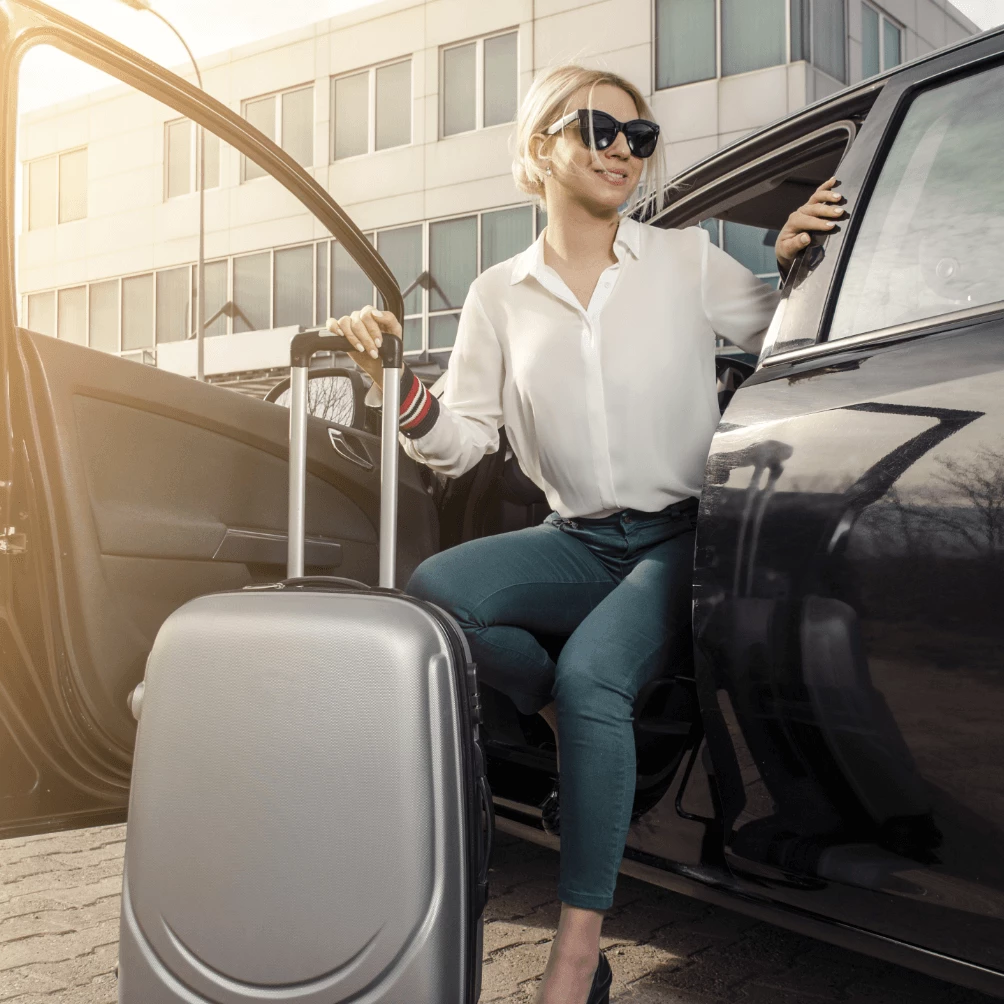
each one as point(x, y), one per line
point(641, 135)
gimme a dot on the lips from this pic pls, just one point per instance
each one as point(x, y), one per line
point(612, 177)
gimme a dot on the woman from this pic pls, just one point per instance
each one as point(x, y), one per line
point(595, 348)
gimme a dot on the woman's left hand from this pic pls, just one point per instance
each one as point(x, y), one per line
point(818, 214)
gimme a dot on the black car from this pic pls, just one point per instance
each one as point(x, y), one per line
point(833, 760)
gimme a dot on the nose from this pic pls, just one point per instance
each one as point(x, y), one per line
point(619, 148)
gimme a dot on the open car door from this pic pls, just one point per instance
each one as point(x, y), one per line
point(126, 490)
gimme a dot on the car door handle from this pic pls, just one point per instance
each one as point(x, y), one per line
point(347, 449)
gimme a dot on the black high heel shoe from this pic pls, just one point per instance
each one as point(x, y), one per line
point(550, 812)
point(599, 992)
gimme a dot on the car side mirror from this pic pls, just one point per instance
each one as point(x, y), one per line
point(334, 395)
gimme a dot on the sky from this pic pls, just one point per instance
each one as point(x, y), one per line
point(211, 26)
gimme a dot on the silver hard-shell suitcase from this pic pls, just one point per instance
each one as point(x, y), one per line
point(309, 819)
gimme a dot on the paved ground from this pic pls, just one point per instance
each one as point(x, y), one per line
point(59, 901)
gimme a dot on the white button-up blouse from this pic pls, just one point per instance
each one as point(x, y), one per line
point(607, 407)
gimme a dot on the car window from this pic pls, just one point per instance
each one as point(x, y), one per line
point(932, 238)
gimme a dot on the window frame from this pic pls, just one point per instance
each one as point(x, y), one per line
point(883, 17)
point(26, 181)
point(371, 108)
point(479, 84)
point(277, 97)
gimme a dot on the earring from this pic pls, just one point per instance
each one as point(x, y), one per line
point(547, 170)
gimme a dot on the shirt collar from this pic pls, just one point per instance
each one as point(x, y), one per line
point(531, 261)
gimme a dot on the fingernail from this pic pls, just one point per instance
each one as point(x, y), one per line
point(379, 342)
point(805, 238)
point(374, 353)
point(829, 223)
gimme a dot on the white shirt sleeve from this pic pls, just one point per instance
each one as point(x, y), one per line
point(470, 412)
point(737, 304)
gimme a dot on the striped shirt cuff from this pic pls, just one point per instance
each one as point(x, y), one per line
point(419, 409)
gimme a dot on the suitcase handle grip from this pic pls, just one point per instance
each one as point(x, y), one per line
point(307, 344)
point(302, 348)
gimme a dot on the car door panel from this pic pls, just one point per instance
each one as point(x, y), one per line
point(154, 489)
point(125, 490)
point(848, 635)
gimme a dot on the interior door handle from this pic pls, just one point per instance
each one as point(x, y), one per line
point(344, 447)
point(262, 547)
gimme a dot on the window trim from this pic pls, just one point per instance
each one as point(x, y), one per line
point(371, 108)
point(479, 83)
point(694, 206)
point(890, 335)
point(278, 95)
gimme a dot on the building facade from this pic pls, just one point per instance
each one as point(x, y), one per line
point(403, 111)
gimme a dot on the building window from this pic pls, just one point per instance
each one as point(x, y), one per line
point(286, 118)
point(819, 35)
point(881, 42)
point(73, 185)
point(174, 304)
point(753, 35)
point(434, 264)
point(478, 83)
point(181, 162)
point(505, 233)
point(401, 248)
point(103, 312)
point(350, 288)
point(217, 297)
point(371, 110)
point(71, 314)
point(57, 189)
point(750, 246)
point(42, 313)
point(698, 39)
point(137, 312)
point(294, 286)
point(685, 41)
point(253, 292)
point(321, 313)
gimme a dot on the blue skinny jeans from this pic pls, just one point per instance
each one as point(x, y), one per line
point(620, 588)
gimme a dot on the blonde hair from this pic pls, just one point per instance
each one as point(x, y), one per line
point(545, 103)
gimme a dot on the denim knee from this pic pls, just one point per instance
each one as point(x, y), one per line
point(436, 581)
point(588, 691)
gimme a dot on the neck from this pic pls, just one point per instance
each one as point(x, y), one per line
point(576, 234)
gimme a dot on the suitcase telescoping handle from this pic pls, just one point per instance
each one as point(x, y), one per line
point(302, 349)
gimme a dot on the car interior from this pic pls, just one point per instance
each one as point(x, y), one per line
point(153, 488)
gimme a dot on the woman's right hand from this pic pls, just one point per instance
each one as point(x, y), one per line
point(365, 330)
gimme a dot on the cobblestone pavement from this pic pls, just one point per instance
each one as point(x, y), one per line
point(59, 905)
